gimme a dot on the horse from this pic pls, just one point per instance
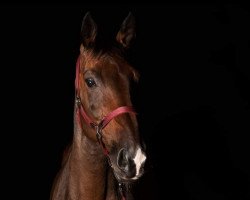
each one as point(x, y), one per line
point(107, 154)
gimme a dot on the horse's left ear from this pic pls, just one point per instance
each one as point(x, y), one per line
point(127, 34)
point(88, 30)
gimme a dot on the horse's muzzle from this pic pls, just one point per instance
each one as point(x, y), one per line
point(130, 165)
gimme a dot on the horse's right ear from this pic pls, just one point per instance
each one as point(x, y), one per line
point(126, 34)
point(88, 30)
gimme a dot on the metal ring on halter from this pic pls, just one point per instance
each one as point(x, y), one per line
point(120, 186)
point(78, 100)
point(121, 190)
point(98, 132)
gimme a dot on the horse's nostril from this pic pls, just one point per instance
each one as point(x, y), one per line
point(122, 160)
point(126, 163)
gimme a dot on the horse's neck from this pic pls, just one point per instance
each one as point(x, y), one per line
point(85, 174)
point(88, 167)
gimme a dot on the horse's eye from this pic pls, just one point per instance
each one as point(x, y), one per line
point(90, 82)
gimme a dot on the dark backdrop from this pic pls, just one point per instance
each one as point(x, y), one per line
point(192, 97)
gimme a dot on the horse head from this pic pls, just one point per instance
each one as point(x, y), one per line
point(103, 80)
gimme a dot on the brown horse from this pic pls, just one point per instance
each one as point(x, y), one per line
point(106, 152)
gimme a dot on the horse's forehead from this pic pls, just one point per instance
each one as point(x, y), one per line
point(104, 63)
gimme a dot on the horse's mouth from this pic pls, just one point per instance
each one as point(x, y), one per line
point(124, 178)
point(126, 167)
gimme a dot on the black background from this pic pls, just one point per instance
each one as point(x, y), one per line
point(192, 97)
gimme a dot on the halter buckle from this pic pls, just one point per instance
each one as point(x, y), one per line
point(78, 100)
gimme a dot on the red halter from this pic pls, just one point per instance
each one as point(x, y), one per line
point(104, 122)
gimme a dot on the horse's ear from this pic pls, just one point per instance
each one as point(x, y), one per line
point(127, 34)
point(88, 30)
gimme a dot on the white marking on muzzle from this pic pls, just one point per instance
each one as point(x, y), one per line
point(139, 159)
